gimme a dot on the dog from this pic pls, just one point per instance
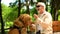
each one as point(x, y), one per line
point(22, 24)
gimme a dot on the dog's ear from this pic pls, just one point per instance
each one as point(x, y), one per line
point(18, 23)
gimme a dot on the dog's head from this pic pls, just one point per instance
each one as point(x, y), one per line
point(23, 19)
point(26, 19)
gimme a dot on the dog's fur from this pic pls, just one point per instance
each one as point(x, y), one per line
point(23, 21)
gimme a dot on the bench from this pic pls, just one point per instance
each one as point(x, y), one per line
point(56, 26)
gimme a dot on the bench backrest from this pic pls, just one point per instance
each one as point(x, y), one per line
point(56, 26)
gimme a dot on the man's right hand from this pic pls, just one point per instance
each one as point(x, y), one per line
point(35, 16)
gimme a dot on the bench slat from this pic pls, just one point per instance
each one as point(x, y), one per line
point(56, 26)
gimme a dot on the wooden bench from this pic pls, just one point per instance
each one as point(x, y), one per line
point(56, 26)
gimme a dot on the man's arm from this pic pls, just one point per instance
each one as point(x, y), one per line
point(44, 23)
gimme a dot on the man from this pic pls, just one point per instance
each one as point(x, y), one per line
point(43, 20)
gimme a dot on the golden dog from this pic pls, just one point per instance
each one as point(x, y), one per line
point(21, 24)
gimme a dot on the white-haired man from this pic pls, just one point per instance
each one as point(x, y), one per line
point(43, 20)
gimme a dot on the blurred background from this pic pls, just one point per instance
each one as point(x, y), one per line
point(11, 9)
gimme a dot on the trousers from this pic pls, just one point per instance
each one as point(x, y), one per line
point(38, 32)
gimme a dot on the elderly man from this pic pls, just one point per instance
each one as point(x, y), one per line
point(43, 20)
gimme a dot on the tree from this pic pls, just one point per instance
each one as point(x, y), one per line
point(16, 4)
point(19, 7)
point(55, 6)
point(27, 5)
point(2, 26)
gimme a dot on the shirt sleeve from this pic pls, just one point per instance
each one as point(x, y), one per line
point(48, 19)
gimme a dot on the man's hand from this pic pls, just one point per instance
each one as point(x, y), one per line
point(35, 16)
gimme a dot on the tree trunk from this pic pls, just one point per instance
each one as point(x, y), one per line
point(51, 7)
point(56, 15)
point(19, 8)
point(51, 11)
point(46, 5)
point(54, 9)
point(2, 24)
point(27, 5)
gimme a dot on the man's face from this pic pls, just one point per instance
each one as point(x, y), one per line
point(39, 8)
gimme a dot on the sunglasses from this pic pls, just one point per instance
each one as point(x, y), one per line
point(38, 6)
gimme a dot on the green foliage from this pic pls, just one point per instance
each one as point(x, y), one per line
point(59, 17)
point(32, 2)
point(32, 12)
point(23, 10)
point(13, 14)
point(8, 24)
point(0, 25)
point(38, 0)
point(58, 12)
point(9, 15)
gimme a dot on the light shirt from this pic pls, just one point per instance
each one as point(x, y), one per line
point(44, 18)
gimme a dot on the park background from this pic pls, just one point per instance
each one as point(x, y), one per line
point(11, 9)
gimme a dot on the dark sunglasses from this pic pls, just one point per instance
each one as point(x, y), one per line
point(38, 6)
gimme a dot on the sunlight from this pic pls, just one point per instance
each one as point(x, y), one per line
point(6, 2)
